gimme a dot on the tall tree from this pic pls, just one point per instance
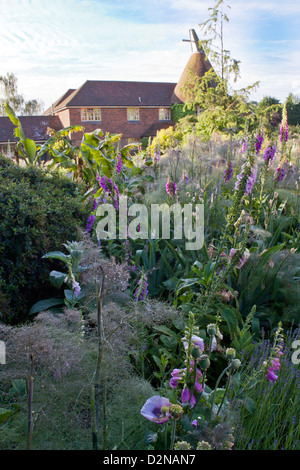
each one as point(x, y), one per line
point(10, 94)
point(269, 112)
point(293, 109)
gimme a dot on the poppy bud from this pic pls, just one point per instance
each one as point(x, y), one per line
point(204, 362)
point(211, 329)
point(236, 363)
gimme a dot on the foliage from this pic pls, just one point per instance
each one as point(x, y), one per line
point(11, 95)
point(220, 108)
point(26, 148)
point(192, 412)
point(268, 415)
point(293, 109)
point(39, 210)
point(178, 111)
point(167, 138)
point(269, 111)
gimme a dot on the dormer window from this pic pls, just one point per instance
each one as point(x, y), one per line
point(91, 114)
point(164, 114)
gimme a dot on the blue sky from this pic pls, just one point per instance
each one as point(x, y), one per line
point(55, 45)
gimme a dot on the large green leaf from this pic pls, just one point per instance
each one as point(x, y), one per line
point(45, 305)
point(267, 254)
point(58, 255)
point(11, 114)
point(57, 278)
point(30, 149)
point(167, 331)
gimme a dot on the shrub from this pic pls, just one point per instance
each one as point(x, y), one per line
point(39, 210)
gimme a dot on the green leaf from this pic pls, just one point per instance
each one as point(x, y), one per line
point(11, 114)
point(169, 342)
point(5, 414)
point(57, 278)
point(69, 294)
point(231, 316)
point(267, 254)
point(58, 255)
point(249, 404)
point(30, 149)
point(19, 387)
point(45, 305)
point(166, 331)
point(217, 395)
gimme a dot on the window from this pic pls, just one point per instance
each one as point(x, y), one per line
point(91, 114)
point(133, 114)
point(164, 114)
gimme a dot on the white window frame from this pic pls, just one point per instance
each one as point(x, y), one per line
point(90, 114)
point(133, 114)
point(164, 114)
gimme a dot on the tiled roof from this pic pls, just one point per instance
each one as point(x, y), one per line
point(118, 93)
point(34, 127)
point(60, 100)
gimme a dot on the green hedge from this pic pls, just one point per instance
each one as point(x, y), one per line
point(39, 210)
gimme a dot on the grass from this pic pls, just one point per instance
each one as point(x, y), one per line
point(274, 424)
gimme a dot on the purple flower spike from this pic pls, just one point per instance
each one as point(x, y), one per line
point(280, 174)
point(251, 180)
point(119, 164)
point(284, 128)
point(259, 141)
point(269, 153)
point(228, 172)
point(271, 376)
point(90, 222)
point(171, 187)
point(152, 409)
point(142, 289)
point(244, 146)
point(76, 288)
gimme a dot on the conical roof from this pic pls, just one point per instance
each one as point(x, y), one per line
point(198, 64)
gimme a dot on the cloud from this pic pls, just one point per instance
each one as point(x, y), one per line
point(56, 45)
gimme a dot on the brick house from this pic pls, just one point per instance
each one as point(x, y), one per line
point(133, 109)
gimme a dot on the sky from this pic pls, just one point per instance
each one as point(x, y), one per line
point(54, 45)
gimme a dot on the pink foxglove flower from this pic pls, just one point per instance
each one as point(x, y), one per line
point(251, 180)
point(243, 258)
point(171, 187)
point(228, 172)
point(269, 153)
point(284, 129)
point(259, 141)
point(187, 397)
point(119, 164)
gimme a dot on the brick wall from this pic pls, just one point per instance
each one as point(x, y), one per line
point(114, 121)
